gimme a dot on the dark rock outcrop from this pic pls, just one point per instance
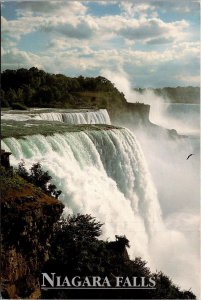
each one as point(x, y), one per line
point(28, 217)
point(135, 113)
point(136, 116)
point(5, 162)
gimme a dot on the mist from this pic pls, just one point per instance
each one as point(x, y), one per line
point(175, 251)
point(162, 112)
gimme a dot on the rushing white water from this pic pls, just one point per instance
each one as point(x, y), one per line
point(70, 117)
point(102, 173)
point(86, 117)
point(17, 117)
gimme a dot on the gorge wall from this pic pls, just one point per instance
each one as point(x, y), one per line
point(137, 116)
point(135, 113)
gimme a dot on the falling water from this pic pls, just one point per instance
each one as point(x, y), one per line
point(69, 117)
point(86, 117)
point(102, 173)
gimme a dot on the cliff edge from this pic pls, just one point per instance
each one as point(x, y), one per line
point(28, 217)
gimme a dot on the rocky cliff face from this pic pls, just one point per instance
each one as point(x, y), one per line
point(134, 113)
point(136, 116)
point(28, 216)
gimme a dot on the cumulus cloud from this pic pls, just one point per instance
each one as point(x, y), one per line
point(153, 30)
point(73, 21)
point(179, 7)
point(15, 58)
point(131, 8)
point(16, 28)
point(50, 7)
point(86, 42)
point(49, 16)
point(142, 69)
point(143, 7)
point(76, 28)
point(24, 7)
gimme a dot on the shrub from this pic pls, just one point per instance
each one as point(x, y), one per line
point(39, 178)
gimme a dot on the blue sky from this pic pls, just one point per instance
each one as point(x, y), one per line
point(152, 43)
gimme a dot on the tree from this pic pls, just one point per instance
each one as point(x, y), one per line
point(74, 241)
point(4, 102)
point(28, 93)
point(80, 228)
point(39, 178)
point(77, 250)
point(122, 241)
point(11, 96)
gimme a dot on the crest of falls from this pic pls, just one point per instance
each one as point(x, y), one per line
point(100, 116)
point(102, 173)
point(83, 117)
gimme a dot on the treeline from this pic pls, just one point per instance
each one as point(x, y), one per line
point(35, 88)
point(178, 94)
point(25, 88)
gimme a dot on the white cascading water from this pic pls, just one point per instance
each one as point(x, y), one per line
point(100, 116)
point(85, 117)
point(102, 173)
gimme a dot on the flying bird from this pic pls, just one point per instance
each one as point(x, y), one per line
point(190, 155)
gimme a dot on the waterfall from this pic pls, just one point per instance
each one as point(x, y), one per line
point(83, 117)
point(102, 173)
point(70, 117)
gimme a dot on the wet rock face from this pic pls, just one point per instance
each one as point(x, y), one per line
point(26, 229)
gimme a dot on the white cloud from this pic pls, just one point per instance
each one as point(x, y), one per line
point(149, 68)
point(16, 28)
point(105, 3)
point(179, 7)
point(15, 58)
point(50, 7)
point(143, 45)
point(131, 8)
point(73, 21)
point(73, 27)
point(153, 30)
point(137, 7)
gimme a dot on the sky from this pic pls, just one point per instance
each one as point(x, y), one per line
point(153, 43)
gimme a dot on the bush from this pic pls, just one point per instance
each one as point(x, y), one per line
point(39, 178)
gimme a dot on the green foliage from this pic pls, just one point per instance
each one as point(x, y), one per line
point(80, 228)
point(11, 96)
point(77, 250)
point(10, 181)
point(39, 178)
point(36, 88)
point(4, 102)
point(79, 235)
